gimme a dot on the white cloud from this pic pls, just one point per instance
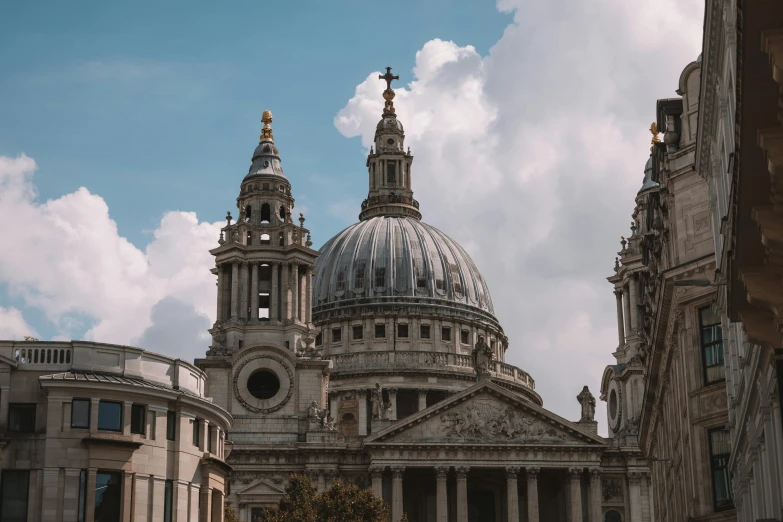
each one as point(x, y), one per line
point(531, 157)
point(69, 260)
point(13, 326)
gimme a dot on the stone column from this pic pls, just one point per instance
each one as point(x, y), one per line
point(309, 307)
point(253, 292)
point(361, 395)
point(294, 292)
point(89, 498)
point(441, 495)
point(243, 285)
point(422, 399)
point(219, 316)
point(596, 513)
point(333, 399)
point(321, 481)
point(376, 476)
point(512, 493)
point(217, 505)
point(234, 289)
point(576, 494)
point(205, 504)
point(50, 506)
point(274, 314)
point(618, 294)
point(634, 309)
point(627, 314)
point(396, 508)
point(462, 493)
point(393, 400)
point(303, 293)
point(532, 493)
point(285, 313)
point(635, 497)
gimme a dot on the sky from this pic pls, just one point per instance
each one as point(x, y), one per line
point(126, 129)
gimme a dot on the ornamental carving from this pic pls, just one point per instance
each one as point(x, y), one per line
point(490, 420)
point(611, 489)
point(277, 406)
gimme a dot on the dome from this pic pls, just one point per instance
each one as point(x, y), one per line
point(389, 122)
point(648, 183)
point(397, 257)
point(266, 161)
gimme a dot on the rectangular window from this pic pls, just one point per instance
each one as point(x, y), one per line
point(711, 346)
point(337, 335)
point(171, 425)
point(209, 441)
point(380, 331)
point(391, 172)
point(424, 331)
point(21, 418)
point(445, 333)
point(108, 495)
point(138, 419)
point(380, 277)
point(720, 449)
point(168, 498)
point(196, 432)
point(80, 413)
point(402, 330)
point(82, 495)
point(109, 416)
point(13, 495)
point(319, 339)
point(464, 337)
point(358, 332)
point(153, 435)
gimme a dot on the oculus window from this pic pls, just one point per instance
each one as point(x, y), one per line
point(80, 413)
point(109, 416)
point(263, 384)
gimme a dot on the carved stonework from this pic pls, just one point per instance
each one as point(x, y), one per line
point(611, 489)
point(442, 471)
point(483, 419)
point(397, 471)
point(250, 407)
point(462, 471)
point(532, 472)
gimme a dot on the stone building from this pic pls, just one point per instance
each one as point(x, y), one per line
point(92, 431)
point(740, 155)
point(667, 388)
point(379, 360)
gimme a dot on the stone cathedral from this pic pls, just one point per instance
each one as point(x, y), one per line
point(379, 360)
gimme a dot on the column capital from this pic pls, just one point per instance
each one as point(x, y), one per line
point(392, 391)
point(575, 473)
point(512, 471)
point(595, 473)
point(361, 393)
point(635, 477)
point(376, 471)
point(532, 472)
point(422, 391)
point(397, 471)
point(462, 471)
point(442, 472)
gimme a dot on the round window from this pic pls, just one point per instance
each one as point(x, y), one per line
point(613, 404)
point(263, 384)
point(390, 141)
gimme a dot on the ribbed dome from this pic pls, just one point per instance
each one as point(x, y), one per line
point(397, 256)
point(266, 161)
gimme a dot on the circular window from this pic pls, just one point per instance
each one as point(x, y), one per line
point(390, 141)
point(266, 163)
point(263, 384)
point(613, 404)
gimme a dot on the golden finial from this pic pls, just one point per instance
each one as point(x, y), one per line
point(388, 94)
point(266, 132)
point(654, 132)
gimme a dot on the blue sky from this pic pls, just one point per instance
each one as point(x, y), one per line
point(126, 128)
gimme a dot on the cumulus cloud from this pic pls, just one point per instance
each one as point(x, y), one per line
point(531, 157)
point(68, 260)
point(13, 326)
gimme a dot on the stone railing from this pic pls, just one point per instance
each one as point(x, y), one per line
point(426, 361)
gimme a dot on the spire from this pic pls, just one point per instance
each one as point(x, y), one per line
point(266, 132)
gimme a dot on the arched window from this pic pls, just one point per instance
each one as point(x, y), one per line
point(265, 239)
point(282, 213)
point(281, 239)
point(613, 516)
point(265, 213)
point(248, 211)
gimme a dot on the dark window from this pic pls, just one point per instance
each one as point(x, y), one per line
point(337, 335)
point(380, 277)
point(209, 441)
point(255, 514)
point(720, 449)
point(358, 274)
point(108, 493)
point(424, 331)
point(391, 172)
point(196, 432)
point(80, 413)
point(82, 495)
point(402, 330)
point(711, 346)
point(263, 384)
point(282, 213)
point(319, 339)
point(171, 425)
point(613, 516)
point(380, 331)
point(109, 416)
point(358, 332)
point(464, 337)
point(445, 333)
point(138, 419)
point(168, 497)
point(281, 239)
point(266, 213)
point(248, 211)
point(13, 495)
point(21, 418)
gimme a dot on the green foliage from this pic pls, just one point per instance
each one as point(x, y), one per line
point(342, 502)
point(229, 515)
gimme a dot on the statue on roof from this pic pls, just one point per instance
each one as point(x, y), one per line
point(587, 401)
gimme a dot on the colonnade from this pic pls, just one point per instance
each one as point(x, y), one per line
point(513, 474)
point(288, 286)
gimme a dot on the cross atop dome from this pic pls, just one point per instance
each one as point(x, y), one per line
point(388, 94)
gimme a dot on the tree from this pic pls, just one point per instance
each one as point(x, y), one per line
point(229, 515)
point(342, 502)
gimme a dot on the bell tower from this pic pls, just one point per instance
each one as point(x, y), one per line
point(389, 165)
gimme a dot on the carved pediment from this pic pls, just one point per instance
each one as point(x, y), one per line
point(485, 413)
point(261, 488)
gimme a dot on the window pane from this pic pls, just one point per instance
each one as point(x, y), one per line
point(337, 335)
point(13, 499)
point(402, 330)
point(110, 416)
point(171, 425)
point(80, 413)
point(107, 497)
point(196, 431)
point(167, 499)
point(464, 336)
point(138, 418)
point(358, 332)
point(720, 449)
point(21, 418)
point(425, 331)
point(445, 333)
point(82, 494)
point(380, 331)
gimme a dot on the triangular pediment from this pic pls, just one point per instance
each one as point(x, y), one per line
point(261, 488)
point(485, 414)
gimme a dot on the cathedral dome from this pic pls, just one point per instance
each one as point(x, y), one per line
point(398, 257)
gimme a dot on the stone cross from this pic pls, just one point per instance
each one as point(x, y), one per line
point(388, 77)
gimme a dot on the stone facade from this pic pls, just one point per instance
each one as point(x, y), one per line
point(90, 426)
